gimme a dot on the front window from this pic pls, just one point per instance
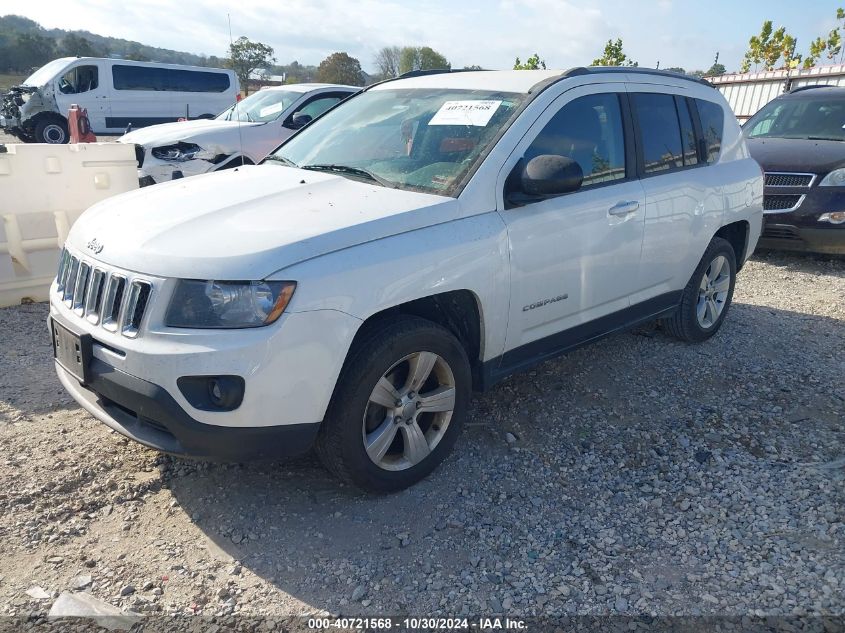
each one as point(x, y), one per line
point(262, 106)
point(820, 119)
point(79, 79)
point(418, 139)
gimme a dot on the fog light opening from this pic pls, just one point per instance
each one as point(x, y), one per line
point(834, 217)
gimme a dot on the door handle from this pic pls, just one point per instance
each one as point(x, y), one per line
point(624, 208)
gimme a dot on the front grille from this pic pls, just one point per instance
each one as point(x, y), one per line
point(777, 232)
point(781, 203)
point(108, 298)
point(786, 179)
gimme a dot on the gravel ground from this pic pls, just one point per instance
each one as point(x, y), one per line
point(640, 475)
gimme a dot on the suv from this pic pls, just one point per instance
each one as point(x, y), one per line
point(799, 141)
point(428, 236)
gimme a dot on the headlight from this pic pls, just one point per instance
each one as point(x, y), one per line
point(228, 304)
point(178, 151)
point(836, 178)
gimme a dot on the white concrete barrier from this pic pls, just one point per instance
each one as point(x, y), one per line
point(43, 190)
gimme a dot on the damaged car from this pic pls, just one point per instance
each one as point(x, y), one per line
point(243, 134)
point(116, 93)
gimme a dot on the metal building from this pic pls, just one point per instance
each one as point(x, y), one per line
point(748, 92)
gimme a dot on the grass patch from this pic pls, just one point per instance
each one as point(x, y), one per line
point(7, 81)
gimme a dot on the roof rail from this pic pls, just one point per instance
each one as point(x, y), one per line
point(423, 73)
point(646, 71)
point(802, 88)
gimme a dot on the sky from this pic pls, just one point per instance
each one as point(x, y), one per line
point(490, 33)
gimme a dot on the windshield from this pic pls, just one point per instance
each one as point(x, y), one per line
point(45, 73)
point(419, 139)
point(819, 119)
point(262, 106)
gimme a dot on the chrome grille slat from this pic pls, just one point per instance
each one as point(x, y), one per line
point(782, 203)
point(80, 292)
point(70, 281)
point(111, 299)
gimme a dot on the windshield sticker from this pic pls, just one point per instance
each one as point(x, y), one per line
point(476, 113)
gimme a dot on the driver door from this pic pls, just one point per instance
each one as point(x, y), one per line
point(574, 257)
point(83, 85)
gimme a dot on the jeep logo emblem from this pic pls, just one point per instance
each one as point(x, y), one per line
point(95, 246)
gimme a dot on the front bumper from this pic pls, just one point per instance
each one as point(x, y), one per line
point(800, 230)
point(148, 414)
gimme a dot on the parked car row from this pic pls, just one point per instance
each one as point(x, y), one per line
point(428, 236)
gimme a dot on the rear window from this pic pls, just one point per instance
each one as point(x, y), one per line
point(712, 126)
point(167, 79)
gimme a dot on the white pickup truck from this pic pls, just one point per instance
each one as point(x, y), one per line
point(427, 237)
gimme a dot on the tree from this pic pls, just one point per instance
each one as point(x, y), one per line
point(832, 45)
point(340, 68)
point(532, 63)
point(473, 67)
point(716, 69)
point(768, 47)
point(387, 62)
point(29, 51)
point(676, 69)
point(246, 56)
point(73, 45)
point(614, 55)
point(421, 58)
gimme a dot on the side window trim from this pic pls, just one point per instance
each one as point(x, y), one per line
point(700, 142)
point(633, 150)
point(641, 172)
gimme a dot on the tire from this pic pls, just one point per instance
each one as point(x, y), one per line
point(51, 129)
point(694, 320)
point(385, 354)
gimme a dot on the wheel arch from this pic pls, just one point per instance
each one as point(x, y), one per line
point(736, 233)
point(32, 121)
point(459, 311)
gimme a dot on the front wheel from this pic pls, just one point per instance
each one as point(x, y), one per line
point(398, 407)
point(51, 129)
point(707, 296)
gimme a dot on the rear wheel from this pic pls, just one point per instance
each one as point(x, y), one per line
point(707, 296)
point(51, 129)
point(398, 407)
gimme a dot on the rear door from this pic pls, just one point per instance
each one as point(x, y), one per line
point(575, 258)
point(683, 207)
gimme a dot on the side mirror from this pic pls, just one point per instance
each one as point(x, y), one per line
point(299, 120)
point(550, 175)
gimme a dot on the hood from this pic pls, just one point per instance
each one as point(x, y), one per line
point(797, 155)
point(248, 223)
point(196, 131)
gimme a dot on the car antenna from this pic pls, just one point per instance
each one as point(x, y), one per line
point(237, 101)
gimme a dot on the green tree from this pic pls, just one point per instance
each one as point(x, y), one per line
point(340, 68)
point(388, 61)
point(614, 55)
point(421, 58)
point(29, 51)
point(246, 56)
point(532, 63)
point(473, 67)
point(832, 44)
point(73, 45)
point(676, 69)
point(716, 69)
point(768, 47)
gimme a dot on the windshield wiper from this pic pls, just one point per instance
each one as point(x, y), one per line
point(352, 171)
point(281, 159)
point(823, 138)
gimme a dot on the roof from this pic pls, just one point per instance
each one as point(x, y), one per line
point(517, 80)
point(809, 92)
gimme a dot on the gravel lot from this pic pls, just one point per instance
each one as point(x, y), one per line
point(641, 476)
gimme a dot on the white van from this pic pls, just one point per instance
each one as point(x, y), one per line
point(116, 93)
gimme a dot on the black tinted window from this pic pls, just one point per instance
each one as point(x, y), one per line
point(688, 138)
point(589, 131)
point(660, 132)
point(159, 79)
point(712, 124)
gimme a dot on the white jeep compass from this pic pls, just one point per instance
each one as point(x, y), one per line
point(427, 237)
